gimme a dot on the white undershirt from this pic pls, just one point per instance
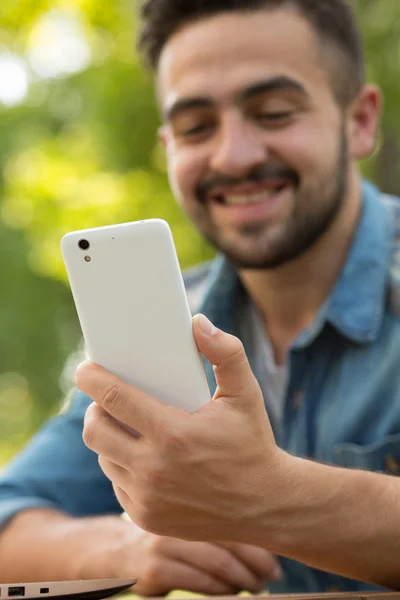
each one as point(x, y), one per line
point(272, 378)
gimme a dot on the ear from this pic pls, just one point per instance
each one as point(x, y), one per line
point(363, 121)
point(163, 135)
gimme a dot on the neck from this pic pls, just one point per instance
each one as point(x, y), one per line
point(290, 297)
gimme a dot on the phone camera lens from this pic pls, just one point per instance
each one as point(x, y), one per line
point(83, 244)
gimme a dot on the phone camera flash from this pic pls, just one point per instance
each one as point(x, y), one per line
point(87, 258)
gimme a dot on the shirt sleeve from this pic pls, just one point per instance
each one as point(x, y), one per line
point(56, 470)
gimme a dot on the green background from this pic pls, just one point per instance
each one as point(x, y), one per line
point(80, 150)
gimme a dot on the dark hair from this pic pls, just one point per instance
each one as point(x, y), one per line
point(333, 21)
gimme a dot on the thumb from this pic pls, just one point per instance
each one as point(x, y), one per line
point(225, 352)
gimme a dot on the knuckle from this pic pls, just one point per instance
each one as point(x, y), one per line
point(236, 347)
point(88, 434)
point(154, 570)
point(213, 587)
point(223, 566)
point(90, 426)
point(235, 355)
point(112, 398)
point(238, 355)
point(155, 477)
point(91, 413)
point(176, 441)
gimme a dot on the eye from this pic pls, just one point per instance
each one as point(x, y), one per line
point(198, 129)
point(197, 133)
point(275, 117)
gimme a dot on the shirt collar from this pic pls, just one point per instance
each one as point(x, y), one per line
point(356, 305)
point(221, 300)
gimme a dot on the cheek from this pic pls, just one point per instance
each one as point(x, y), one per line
point(308, 149)
point(174, 179)
point(186, 167)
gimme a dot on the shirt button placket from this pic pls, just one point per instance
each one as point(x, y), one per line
point(298, 397)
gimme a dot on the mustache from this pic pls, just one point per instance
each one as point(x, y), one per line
point(259, 175)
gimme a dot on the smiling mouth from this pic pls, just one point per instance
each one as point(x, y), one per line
point(243, 199)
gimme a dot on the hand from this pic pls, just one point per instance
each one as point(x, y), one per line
point(213, 475)
point(163, 564)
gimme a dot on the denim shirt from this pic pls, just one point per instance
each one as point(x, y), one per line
point(342, 402)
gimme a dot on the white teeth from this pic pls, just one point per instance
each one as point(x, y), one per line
point(249, 198)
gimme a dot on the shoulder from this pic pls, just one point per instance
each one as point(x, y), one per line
point(392, 204)
point(196, 281)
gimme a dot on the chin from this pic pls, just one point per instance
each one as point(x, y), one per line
point(248, 259)
point(249, 250)
point(248, 263)
point(259, 256)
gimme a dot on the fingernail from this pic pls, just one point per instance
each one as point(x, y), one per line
point(206, 326)
point(277, 573)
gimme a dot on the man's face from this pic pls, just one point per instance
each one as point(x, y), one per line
point(256, 142)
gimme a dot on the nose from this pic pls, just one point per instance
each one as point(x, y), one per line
point(239, 147)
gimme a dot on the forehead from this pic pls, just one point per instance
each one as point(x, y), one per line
point(220, 55)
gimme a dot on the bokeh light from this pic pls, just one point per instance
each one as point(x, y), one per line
point(58, 46)
point(14, 79)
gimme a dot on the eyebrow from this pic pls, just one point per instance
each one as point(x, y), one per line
point(274, 84)
point(186, 104)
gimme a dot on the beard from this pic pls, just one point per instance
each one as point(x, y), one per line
point(259, 246)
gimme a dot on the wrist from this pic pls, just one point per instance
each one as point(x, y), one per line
point(269, 500)
point(303, 502)
point(101, 539)
point(289, 492)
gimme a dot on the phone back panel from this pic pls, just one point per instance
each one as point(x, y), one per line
point(134, 312)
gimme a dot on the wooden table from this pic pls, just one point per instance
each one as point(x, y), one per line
point(323, 596)
point(334, 596)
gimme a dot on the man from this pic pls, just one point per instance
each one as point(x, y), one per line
point(266, 114)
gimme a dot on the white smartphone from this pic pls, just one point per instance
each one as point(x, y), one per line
point(132, 305)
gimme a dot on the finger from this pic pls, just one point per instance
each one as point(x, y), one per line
point(124, 501)
point(218, 562)
point(127, 404)
point(119, 477)
point(116, 474)
point(103, 435)
point(260, 561)
point(173, 574)
point(235, 379)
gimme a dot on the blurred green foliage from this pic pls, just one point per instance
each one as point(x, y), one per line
point(80, 150)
